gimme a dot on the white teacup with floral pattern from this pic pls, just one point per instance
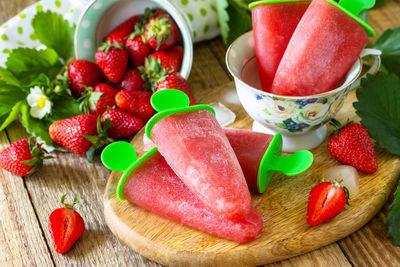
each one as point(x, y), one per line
point(301, 120)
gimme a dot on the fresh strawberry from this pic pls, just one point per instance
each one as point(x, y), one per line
point(352, 145)
point(138, 49)
point(98, 100)
point(161, 78)
point(326, 200)
point(113, 60)
point(122, 123)
point(137, 103)
point(83, 73)
point(81, 134)
point(176, 81)
point(119, 34)
point(171, 59)
point(22, 157)
point(66, 226)
point(161, 31)
point(132, 80)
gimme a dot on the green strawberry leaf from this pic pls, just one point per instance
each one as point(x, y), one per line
point(9, 97)
point(27, 63)
point(7, 77)
point(54, 32)
point(389, 43)
point(15, 111)
point(378, 107)
point(38, 128)
point(234, 18)
point(63, 107)
point(41, 80)
point(393, 218)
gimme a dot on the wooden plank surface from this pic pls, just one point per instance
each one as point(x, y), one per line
point(25, 203)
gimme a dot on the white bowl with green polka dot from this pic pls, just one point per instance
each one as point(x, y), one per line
point(102, 16)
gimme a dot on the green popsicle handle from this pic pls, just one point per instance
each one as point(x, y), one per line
point(118, 156)
point(356, 6)
point(169, 99)
point(168, 102)
point(273, 161)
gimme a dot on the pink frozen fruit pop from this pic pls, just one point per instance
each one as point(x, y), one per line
point(154, 186)
point(196, 148)
point(273, 25)
point(324, 46)
point(249, 148)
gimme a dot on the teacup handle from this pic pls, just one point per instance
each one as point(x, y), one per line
point(375, 65)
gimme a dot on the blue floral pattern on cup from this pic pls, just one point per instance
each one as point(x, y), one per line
point(296, 115)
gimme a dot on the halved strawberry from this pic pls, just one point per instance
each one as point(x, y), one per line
point(326, 200)
point(66, 226)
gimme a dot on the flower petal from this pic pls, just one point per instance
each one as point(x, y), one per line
point(37, 112)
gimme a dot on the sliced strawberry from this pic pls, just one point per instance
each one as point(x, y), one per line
point(326, 200)
point(66, 226)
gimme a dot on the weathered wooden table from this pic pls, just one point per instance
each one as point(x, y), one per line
point(25, 203)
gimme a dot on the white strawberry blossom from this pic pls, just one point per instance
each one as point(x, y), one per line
point(39, 103)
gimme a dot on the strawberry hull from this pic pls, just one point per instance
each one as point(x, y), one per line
point(249, 148)
point(324, 46)
point(273, 25)
point(154, 186)
point(196, 148)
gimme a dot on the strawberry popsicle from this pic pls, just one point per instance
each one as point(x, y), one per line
point(273, 25)
point(249, 148)
point(324, 46)
point(198, 151)
point(154, 186)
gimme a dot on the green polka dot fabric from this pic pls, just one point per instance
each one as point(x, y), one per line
point(18, 32)
point(202, 14)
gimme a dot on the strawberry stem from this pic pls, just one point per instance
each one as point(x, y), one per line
point(66, 205)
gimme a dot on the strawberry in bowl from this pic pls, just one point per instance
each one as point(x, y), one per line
point(109, 22)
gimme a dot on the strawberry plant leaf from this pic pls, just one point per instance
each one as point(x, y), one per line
point(15, 111)
point(55, 32)
point(7, 77)
point(9, 96)
point(389, 43)
point(234, 19)
point(64, 107)
point(38, 128)
point(393, 218)
point(378, 107)
point(27, 63)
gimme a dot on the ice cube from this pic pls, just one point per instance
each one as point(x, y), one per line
point(224, 115)
point(348, 174)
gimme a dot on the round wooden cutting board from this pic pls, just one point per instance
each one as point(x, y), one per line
point(283, 207)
